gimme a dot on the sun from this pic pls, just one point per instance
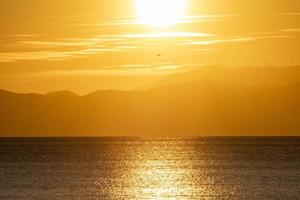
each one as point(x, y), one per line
point(160, 12)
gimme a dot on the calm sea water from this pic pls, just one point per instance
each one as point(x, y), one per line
point(131, 168)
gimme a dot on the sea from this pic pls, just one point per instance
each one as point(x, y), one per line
point(150, 168)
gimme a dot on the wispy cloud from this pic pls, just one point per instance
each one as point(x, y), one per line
point(130, 66)
point(127, 47)
point(114, 71)
point(203, 18)
point(51, 55)
point(168, 35)
point(25, 35)
point(75, 42)
point(291, 30)
point(293, 14)
point(154, 66)
point(113, 23)
point(219, 41)
point(58, 43)
point(69, 48)
point(235, 40)
point(185, 19)
point(122, 40)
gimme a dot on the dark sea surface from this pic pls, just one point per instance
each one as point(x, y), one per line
point(150, 168)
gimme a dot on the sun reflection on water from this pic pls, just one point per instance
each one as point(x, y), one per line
point(161, 172)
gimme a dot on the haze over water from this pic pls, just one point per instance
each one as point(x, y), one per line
point(150, 168)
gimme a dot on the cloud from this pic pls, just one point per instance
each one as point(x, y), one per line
point(128, 47)
point(110, 41)
point(58, 43)
point(203, 18)
point(133, 66)
point(69, 48)
point(65, 49)
point(74, 42)
point(185, 19)
point(235, 40)
point(113, 71)
point(51, 55)
point(25, 35)
point(168, 35)
point(219, 41)
point(293, 14)
point(291, 30)
point(113, 23)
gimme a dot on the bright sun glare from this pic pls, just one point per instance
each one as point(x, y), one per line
point(161, 12)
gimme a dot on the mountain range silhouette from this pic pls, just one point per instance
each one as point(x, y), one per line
point(211, 101)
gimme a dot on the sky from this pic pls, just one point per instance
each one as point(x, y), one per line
point(85, 45)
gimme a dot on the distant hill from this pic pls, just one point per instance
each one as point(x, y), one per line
point(180, 108)
point(61, 94)
point(247, 76)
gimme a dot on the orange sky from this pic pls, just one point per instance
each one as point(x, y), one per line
point(85, 45)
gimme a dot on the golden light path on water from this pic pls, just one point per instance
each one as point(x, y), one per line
point(161, 172)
